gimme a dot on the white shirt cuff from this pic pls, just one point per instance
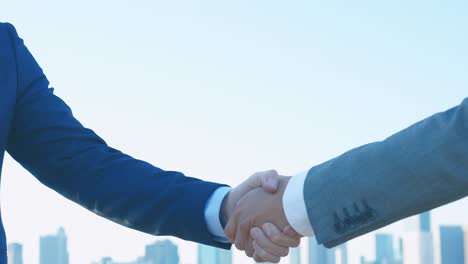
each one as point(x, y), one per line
point(212, 209)
point(295, 207)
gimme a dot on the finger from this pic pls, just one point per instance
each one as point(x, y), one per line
point(249, 250)
point(279, 238)
point(231, 227)
point(257, 258)
point(263, 255)
point(288, 230)
point(268, 180)
point(264, 242)
point(242, 234)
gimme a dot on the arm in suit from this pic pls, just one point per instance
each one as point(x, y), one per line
point(71, 159)
point(420, 168)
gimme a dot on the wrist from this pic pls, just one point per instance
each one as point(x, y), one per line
point(226, 210)
point(294, 206)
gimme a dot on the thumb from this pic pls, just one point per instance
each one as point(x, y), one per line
point(268, 180)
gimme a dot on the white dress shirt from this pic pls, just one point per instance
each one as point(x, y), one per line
point(212, 210)
point(295, 207)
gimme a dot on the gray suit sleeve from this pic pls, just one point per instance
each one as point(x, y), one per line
point(417, 169)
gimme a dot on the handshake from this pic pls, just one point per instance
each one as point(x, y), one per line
point(254, 219)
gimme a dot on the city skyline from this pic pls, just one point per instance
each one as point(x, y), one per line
point(389, 249)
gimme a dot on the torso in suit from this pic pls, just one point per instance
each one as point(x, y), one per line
point(39, 131)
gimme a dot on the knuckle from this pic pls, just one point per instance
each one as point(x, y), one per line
point(239, 246)
point(244, 224)
point(284, 252)
point(262, 253)
point(296, 243)
point(276, 238)
point(229, 234)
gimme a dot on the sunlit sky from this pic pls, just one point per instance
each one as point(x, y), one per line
point(219, 90)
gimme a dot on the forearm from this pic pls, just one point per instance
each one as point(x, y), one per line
point(47, 140)
point(417, 169)
point(79, 165)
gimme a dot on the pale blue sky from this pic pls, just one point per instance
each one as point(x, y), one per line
point(219, 90)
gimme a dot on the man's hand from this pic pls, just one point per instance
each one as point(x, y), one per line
point(268, 241)
point(266, 180)
point(262, 209)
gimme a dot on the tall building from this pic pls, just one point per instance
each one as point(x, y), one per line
point(425, 222)
point(106, 260)
point(53, 248)
point(384, 250)
point(418, 247)
point(420, 223)
point(15, 253)
point(162, 252)
point(295, 255)
point(318, 254)
point(212, 255)
point(362, 260)
point(399, 251)
point(451, 245)
point(341, 254)
point(465, 240)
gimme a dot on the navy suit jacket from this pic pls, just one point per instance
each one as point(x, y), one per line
point(39, 131)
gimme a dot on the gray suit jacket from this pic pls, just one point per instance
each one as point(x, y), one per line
point(417, 169)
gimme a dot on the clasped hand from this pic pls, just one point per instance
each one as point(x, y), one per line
point(255, 220)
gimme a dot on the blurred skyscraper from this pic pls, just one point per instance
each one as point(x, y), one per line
point(318, 254)
point(295, 255)
point(451, 245)
point(161, 252)
point(418, 248)
point(362, 260)
point(399, 251)
point(15, 253)
point(465, 240)
point(425, 222)
point(106, 260)
point(387, 252)
point(421, 223)
point(212, 255)
point(53, 248)
point(384, 253)
point(418, 245)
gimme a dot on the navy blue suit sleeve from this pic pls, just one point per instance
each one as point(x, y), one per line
point(71, 159)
